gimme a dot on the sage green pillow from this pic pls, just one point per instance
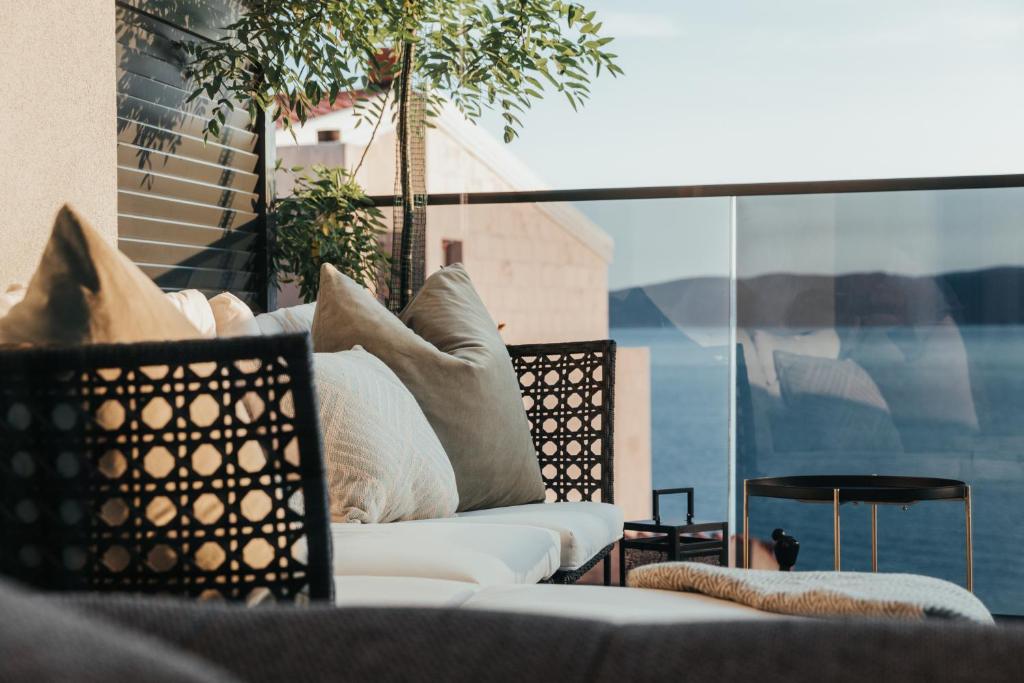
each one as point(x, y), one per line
point(447, 351)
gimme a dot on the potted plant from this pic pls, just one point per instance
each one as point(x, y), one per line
point(327, 219)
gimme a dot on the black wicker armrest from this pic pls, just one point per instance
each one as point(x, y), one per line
point(569, 394)
point(189, 468)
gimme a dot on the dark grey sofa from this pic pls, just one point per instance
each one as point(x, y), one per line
point(97, 637)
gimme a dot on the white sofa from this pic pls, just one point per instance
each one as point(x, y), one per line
point(523, 544)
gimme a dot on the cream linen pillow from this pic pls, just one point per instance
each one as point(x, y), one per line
point(192, 304)
point(233, 317)
point(384, 462)
point(85, 290)
point(447, 351)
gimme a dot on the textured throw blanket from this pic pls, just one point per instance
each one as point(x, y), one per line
point(819, 594)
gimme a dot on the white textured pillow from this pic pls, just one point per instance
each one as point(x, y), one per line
point(384, 463)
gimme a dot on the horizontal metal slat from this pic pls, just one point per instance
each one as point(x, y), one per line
point(142, 50)
point(188, 208)
point(169, 71)
point(140, 204)
point(143, 88)
point(139, 33)
point(141, 158)
point(200, 278)
point(159, 140)
point(203, 18)
point(166, 118)
point(144, 32)
point(193, 257)
point(162, 186)
point(153, 230)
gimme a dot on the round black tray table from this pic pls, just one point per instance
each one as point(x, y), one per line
point(871, 489)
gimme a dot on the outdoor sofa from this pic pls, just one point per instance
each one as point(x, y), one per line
point(496, 633)
point(437, 561)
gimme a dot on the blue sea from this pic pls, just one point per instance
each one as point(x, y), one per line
point(689, 436)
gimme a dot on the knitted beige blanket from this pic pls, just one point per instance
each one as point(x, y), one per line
point(818, 594)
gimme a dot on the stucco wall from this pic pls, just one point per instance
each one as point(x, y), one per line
point(57, 80)
point(539, 279)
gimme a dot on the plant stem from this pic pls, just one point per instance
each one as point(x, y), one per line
point(405, 174)
point(373, 134)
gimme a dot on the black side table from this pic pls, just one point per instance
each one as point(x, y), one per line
point(873, 490)
point(675, 540)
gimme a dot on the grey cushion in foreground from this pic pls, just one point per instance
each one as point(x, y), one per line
point(42, 640)
point(452, 645)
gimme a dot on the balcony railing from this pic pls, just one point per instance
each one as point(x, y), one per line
point(861, 327)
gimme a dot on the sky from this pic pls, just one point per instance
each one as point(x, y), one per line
point(749, 90)
point(756, 91)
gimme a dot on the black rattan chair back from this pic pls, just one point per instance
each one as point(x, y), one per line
point(569, 394)
point(189, 468)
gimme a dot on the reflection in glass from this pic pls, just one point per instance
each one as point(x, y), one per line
point(882, 334)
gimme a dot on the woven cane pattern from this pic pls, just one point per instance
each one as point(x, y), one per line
point(189, 468)
point(568, 393)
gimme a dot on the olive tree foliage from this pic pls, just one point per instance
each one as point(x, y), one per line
point(287, 56)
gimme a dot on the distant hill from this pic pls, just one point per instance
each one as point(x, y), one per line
point(993, 296)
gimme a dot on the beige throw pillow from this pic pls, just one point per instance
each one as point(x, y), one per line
point(384, 462)
point(85, 290)
point(447, 351)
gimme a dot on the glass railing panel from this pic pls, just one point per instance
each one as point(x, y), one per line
point(883, 333)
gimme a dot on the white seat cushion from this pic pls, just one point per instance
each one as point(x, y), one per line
point(400, 591)
point(485, 554)
point(585, 528)
point(611, 603)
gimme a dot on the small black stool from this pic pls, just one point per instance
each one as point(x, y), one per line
point(674, 541)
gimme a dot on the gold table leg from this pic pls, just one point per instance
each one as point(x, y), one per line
point(874, 538)
point(746, 527)
point(970, 541)
point(836, 543)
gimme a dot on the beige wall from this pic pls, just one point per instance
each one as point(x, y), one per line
point(633, 432)
point(58, 85)
point(538, 278)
